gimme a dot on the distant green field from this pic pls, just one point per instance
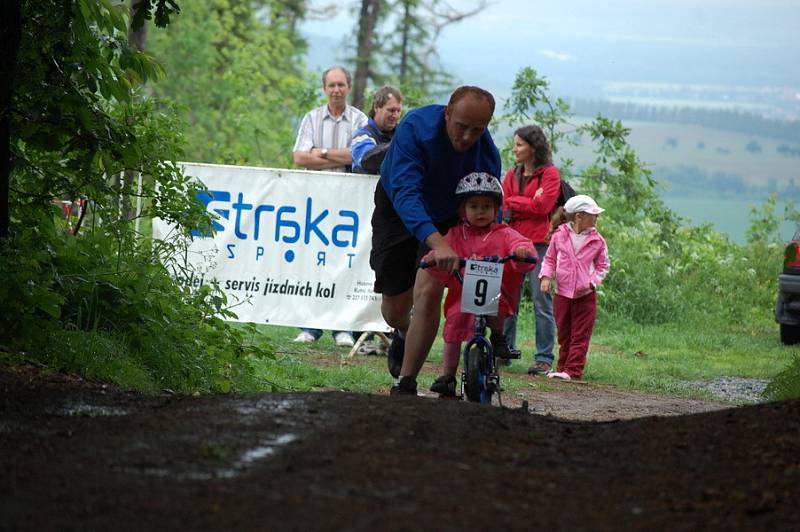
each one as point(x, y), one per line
point(727, 216)
point(674, 145)
point(663, 145)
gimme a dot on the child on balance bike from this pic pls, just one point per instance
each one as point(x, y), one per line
point(478, 235)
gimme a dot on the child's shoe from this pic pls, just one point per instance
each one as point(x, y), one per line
point(501, 348)
point(561, 375)
point(445, 386)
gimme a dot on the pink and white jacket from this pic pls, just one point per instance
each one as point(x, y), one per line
point(467, 240)
point(575, 271)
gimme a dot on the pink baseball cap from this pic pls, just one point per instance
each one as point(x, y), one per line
point(582, 203)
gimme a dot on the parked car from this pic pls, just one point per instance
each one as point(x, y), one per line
point(787, 309)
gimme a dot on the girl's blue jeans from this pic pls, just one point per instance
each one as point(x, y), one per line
point(543, 310)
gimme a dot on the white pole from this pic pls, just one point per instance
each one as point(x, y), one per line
point(138, 202)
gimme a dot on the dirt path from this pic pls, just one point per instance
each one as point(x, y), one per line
point(83, 455)
point(589, 402)
point(574, 401)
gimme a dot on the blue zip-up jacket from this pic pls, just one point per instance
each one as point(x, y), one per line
point(421, 169)
point(365, 140)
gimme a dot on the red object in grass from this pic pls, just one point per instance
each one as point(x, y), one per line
point(791, 257)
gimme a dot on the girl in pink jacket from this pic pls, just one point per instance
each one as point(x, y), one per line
point(578, 256)
point(477, 235)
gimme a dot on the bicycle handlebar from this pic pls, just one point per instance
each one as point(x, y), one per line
point(488, 258)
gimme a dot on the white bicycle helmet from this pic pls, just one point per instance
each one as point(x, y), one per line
point(479, 184)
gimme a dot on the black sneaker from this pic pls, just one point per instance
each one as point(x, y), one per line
point(394, 358)
point(500, 347)
point(445, 386)
point(405, 386)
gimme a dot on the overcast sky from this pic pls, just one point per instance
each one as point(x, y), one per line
point(725, 42)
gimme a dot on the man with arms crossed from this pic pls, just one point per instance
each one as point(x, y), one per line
point(323, 143)
point(432, 149)
point(323, 140)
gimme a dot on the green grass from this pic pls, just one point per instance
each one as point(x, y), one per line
point(317, 366)
point(647, 358)
point(655, 359)
point(305, 367)
point(92, 354)
point(659, 358)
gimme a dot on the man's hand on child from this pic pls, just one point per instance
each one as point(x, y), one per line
point(446, 259)
point(522, 253)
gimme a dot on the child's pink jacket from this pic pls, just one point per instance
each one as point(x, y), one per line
point(575, 272)
point(466, 241)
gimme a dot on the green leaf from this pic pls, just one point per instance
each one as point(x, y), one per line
point(50, 303)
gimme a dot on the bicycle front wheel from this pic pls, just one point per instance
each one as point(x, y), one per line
point(473, 383)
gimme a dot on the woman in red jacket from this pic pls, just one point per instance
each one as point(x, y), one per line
point(530, 191)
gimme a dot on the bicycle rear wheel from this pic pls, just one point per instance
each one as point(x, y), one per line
point(473, 383)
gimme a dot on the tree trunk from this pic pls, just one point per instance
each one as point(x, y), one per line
point(404, 44)
point(137, 38)
point(367, 21)
point(10, 35)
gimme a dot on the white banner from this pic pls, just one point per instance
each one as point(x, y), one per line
point(290, 247)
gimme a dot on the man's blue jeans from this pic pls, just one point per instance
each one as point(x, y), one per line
point(543, 310)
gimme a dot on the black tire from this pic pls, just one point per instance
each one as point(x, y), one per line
point(472, 378)
point(790, 334)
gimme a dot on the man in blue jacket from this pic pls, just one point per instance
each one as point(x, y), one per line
point(371, 142)
point(432, 149)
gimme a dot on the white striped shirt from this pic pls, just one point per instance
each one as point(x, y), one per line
point(318, 127)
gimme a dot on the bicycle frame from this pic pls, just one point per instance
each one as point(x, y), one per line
point(488, 377)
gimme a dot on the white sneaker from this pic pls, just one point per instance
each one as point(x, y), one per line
point(305, 337)
point(344, 339)
point(562, 375)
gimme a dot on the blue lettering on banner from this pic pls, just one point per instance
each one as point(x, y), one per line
point(259, 210)
point(205, 198)
point(290, 223)
point(280, 222)
point(352, 229)
point(313, 225)
point(240, 206)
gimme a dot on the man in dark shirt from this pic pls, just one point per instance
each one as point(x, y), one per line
point(371, 142)
point(432, 149)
